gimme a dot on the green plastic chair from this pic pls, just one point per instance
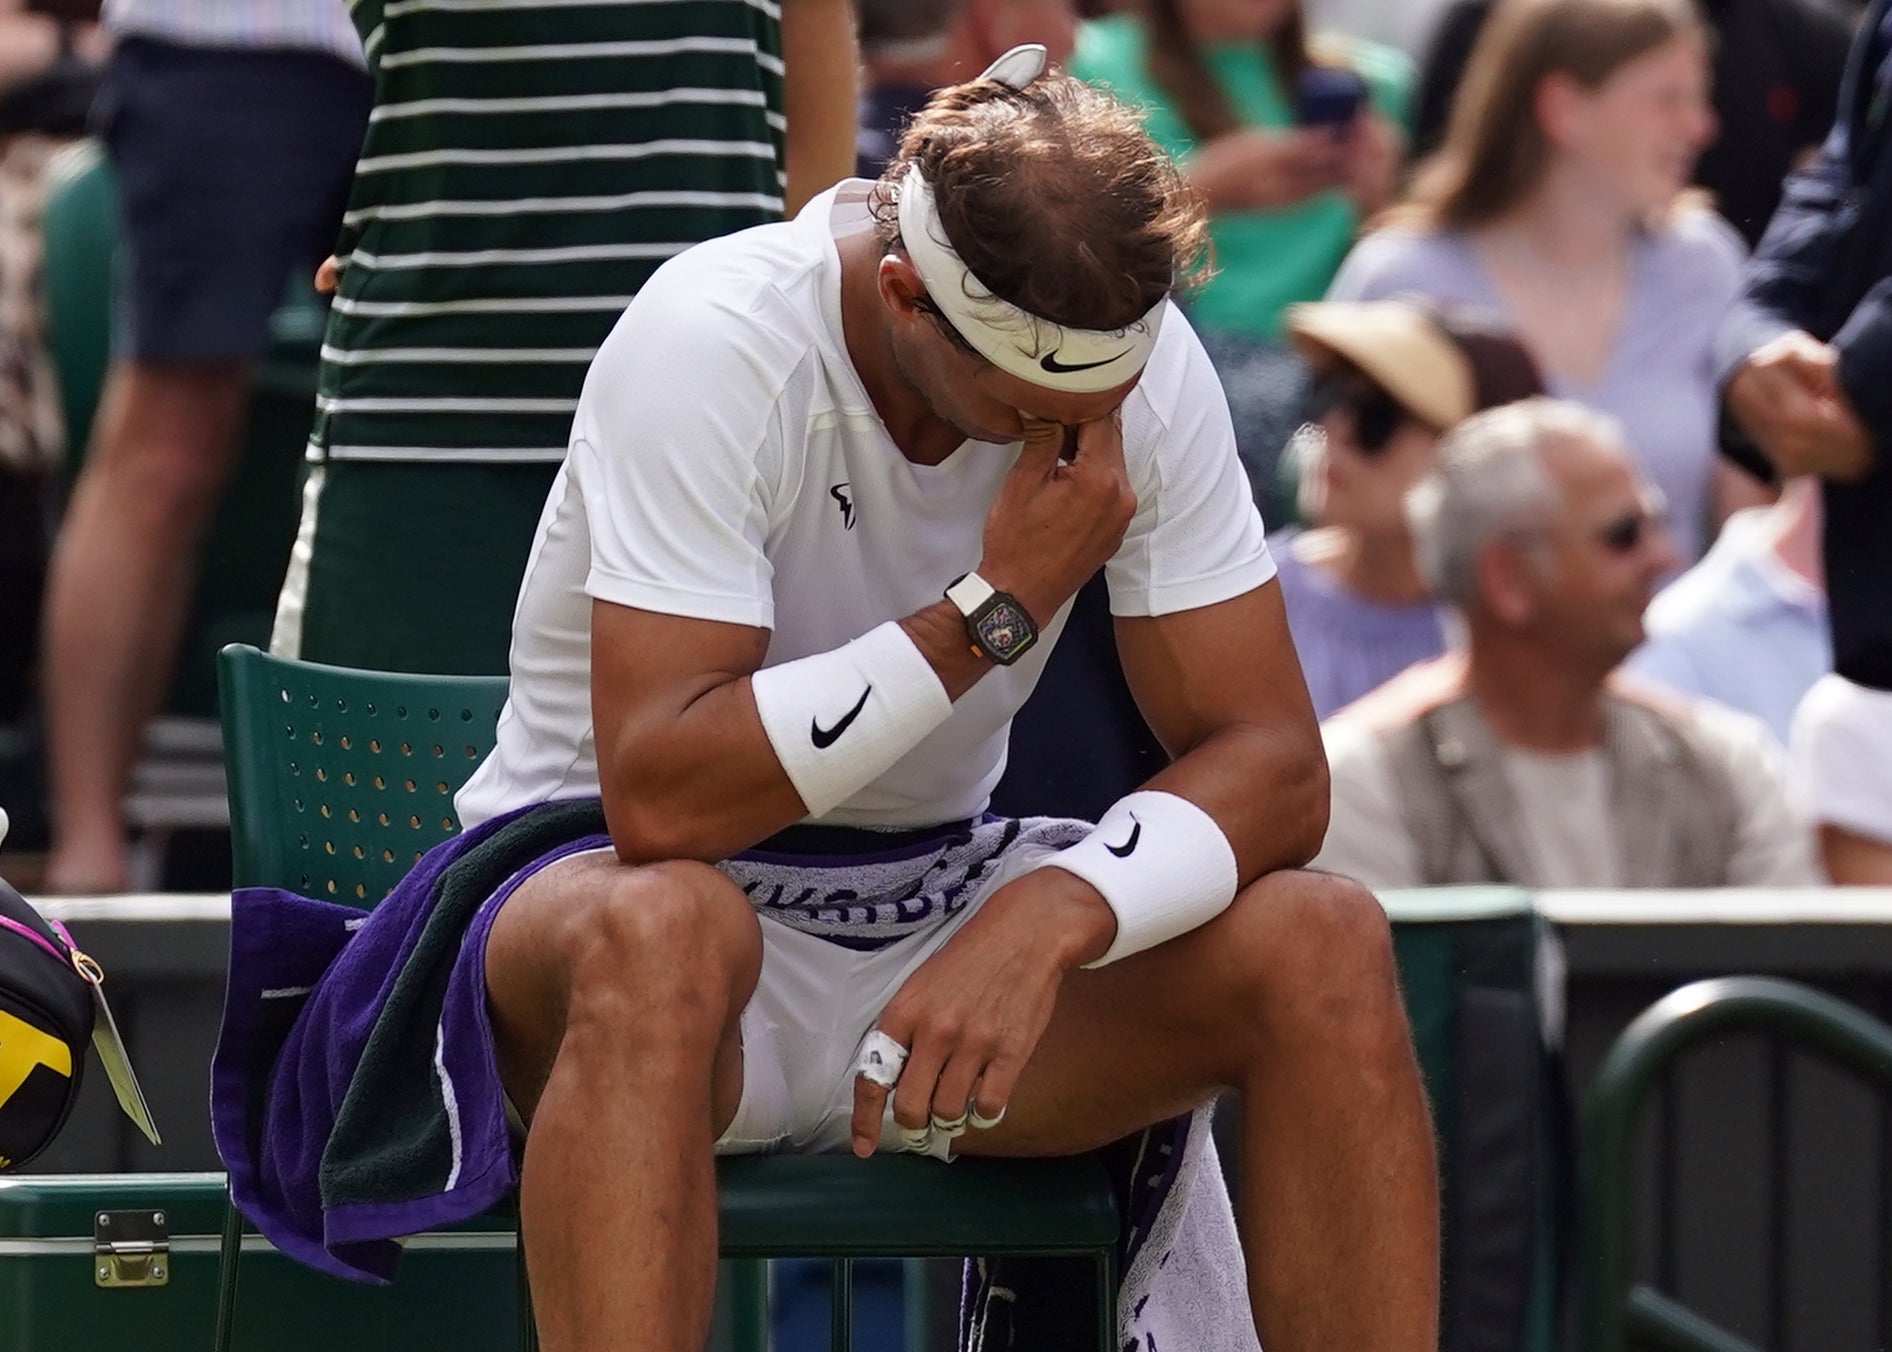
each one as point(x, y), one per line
point(80, 229)
point(1617, 1312)
point(340, 779)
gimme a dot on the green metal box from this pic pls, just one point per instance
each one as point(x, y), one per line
point(103, 1262)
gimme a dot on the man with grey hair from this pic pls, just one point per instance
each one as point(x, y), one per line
point(1523, 758)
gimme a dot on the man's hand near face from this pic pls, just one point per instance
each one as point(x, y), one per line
point(1057, 519)
point(1788, 398)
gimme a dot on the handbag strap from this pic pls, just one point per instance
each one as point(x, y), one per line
point(8, 922)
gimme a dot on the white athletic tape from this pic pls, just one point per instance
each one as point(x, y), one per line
point(1161, 862)
point(950, 1127)
point(980, 1122)
point(840, 720)
point(880, 1060)
point(916, 1139)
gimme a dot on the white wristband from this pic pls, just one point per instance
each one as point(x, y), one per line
point(1163, 865)
point(840, 720)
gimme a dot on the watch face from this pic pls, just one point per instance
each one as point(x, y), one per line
point(1004, 629)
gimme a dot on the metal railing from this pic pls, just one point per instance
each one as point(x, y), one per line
point(1616, 1311)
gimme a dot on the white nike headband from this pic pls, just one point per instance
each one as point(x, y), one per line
point(1081, 361)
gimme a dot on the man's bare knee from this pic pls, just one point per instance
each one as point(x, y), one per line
point(1318, 950)
point(1333, 923)
point(672, 950)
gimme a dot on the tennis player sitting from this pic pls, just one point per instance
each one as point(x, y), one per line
point(831, 487)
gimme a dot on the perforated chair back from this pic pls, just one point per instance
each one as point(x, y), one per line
point(340, 779)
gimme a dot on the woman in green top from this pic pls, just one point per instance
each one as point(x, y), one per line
point(1218, 78)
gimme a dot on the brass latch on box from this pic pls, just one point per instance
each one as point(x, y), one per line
point(130, 1248)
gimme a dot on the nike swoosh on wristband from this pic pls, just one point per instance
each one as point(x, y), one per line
point(823, 738)
point(1051, 363)
point(1136, 831)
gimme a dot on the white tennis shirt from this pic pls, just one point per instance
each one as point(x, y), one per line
point(727, 464)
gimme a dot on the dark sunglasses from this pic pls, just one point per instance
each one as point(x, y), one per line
point(1374, 413)
point(1626, 533)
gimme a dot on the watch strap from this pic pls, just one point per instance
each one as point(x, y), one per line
point(969, 593)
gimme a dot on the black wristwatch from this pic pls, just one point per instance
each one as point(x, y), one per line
point(997, 624)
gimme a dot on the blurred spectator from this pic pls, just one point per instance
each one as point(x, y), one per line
point(1808, 349)
point(527, 167)
point(1558, 202)
point(1839, 748)
point(232, 128)
point(1746, 626)
point(48, 71)
point(1223, 82)
point(1521, 760)
point(1407, 25)
point(30, 433)
point(49, 66)
point(1777, 67)
point(1389, 378)
point(909, 48)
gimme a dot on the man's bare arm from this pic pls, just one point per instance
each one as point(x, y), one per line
point(686, 766)
point(820, 93)
point(1222, 689)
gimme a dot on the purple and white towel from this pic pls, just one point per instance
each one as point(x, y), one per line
point(1182, 1281)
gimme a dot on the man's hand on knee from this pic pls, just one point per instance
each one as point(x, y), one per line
point(971, 1015)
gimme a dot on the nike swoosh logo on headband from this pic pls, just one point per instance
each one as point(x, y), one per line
point(1051, 363)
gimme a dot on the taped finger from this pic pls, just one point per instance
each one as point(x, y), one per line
point(981, 1122)
point(951, 1126)
point(880, 1060)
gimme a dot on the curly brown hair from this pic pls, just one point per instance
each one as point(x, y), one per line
point(1054, 196)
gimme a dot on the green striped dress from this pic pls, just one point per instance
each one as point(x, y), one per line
point(527, 165)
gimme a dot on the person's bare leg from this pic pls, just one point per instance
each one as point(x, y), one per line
point(616, 995)
point(1340, 1184)
point(116, 593)
point(1855, 860)
point(1291, 997)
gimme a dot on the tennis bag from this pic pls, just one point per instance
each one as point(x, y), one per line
point(46, 1015)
